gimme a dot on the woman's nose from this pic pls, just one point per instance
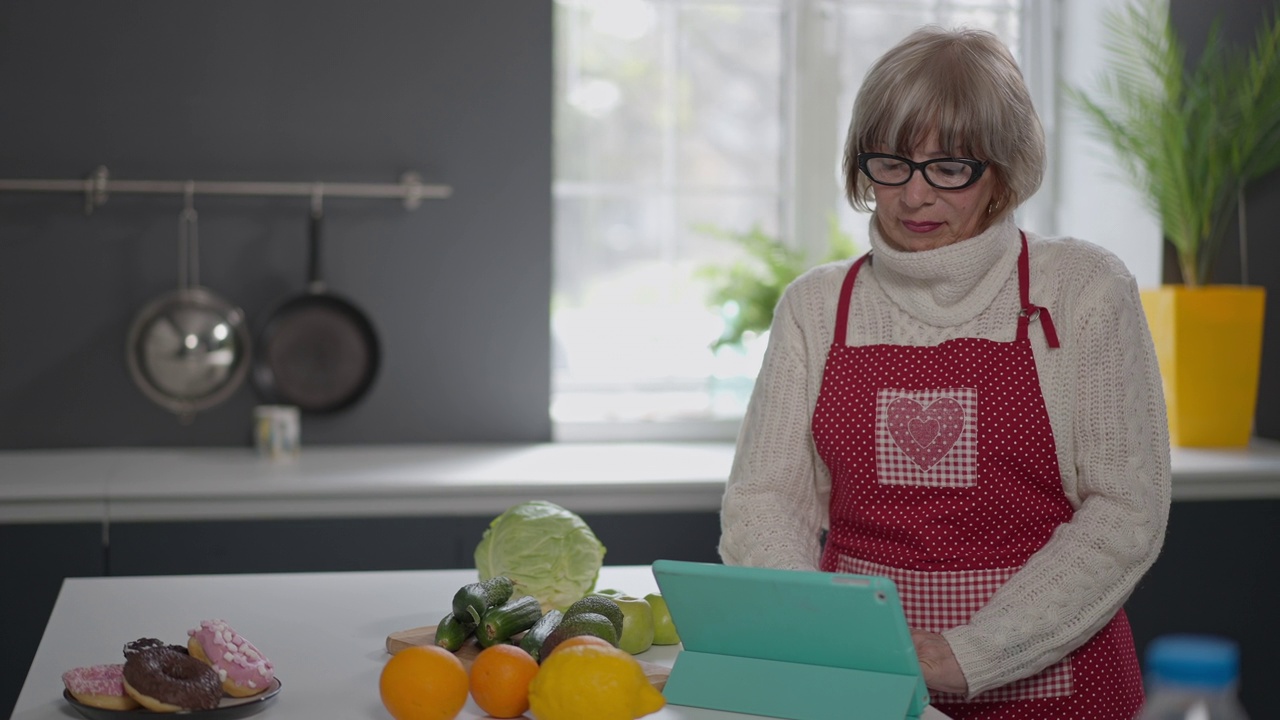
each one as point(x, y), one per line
point(918, 191)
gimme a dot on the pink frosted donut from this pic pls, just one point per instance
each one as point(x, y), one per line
point(100, 686)
point(244, 671)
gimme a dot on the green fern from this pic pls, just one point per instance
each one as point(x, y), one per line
point(1190, 139)
point(754, 284)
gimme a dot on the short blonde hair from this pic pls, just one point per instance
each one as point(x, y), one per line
point(963, 84)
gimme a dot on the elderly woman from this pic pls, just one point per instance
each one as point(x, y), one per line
point(970, 409)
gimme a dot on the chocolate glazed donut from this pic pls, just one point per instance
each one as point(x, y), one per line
point(166, 681)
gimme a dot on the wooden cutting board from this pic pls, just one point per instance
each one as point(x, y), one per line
point(401, 639)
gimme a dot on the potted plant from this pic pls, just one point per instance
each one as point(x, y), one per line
point(1192, 138)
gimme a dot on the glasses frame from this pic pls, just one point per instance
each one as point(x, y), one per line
point(978, 167)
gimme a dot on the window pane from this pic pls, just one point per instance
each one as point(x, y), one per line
point(672, 117)
point(732, 134)
point(609, 92)
point(664, 128)
point(630, 316)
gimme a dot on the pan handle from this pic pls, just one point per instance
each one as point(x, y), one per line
point(314, 266)
point(188, 243)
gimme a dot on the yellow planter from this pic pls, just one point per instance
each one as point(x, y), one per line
point(1209, 343)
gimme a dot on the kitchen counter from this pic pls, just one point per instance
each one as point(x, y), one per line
point(358, 481)
point(324, 632)
point(374, 481)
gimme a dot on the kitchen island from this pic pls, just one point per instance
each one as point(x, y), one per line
point(325, 633)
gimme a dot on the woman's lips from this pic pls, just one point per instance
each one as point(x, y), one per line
point(921, 227)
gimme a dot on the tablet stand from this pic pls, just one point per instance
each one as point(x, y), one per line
point(793, 644)
point(795, 691)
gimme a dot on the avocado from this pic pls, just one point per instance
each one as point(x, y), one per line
point(601, 605)
point(582, 623)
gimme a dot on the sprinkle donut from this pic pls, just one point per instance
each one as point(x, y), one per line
point(142, 644)
point(243, 670)
point(163, 680)
point(100, 686)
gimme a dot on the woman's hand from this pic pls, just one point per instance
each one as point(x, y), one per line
point(941, 671)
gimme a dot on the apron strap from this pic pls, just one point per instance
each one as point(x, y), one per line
point(842, 308)
point(1029, 311)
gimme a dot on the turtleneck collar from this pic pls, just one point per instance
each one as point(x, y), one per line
point(951, 284)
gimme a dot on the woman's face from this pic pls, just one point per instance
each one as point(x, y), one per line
point(917, 216)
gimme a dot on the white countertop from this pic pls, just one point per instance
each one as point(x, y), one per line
point(324, 632)
point(167, 484)
point(104, 485)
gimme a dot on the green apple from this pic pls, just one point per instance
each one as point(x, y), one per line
point(637, 621)
point(664, 630)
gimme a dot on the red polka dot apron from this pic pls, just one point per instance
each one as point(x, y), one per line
point(945, 478)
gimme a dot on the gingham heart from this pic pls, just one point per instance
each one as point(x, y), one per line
point(925, 434)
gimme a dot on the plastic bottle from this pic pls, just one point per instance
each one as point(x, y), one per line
point(1192, 677)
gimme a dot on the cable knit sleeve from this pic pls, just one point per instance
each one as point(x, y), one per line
point(771, 514)
point(1120, 449)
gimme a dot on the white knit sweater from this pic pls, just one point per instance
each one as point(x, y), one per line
point(1104, 398)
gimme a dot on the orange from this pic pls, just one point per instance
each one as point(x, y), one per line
point(423, 683)
point(500, 677)
point(581, 640)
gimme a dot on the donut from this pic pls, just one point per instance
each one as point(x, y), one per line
point(163, 680)
point(150, 644)
point(241, 667)
point(100, 686)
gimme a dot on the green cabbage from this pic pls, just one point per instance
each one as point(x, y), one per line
point(547, 551)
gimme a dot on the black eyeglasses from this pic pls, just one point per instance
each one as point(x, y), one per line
point(942, 173)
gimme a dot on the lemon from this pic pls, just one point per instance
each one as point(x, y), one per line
point(589, 682)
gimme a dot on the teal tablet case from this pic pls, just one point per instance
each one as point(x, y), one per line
point(790, 644)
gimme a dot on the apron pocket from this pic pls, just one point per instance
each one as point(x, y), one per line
point(938, 601)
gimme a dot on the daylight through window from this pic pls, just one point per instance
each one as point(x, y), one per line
point(686, 132)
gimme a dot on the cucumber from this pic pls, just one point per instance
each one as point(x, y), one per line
point(471, 601)
point(514, 616)
point(532, 640)
point(452, 632)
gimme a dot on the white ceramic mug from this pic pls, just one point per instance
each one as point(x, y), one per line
point(277, 431)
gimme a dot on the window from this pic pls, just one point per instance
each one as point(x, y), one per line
point(674, 119)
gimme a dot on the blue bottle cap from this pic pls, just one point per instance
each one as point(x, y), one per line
point(1199, 660)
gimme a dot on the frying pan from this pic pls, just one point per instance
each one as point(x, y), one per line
point(317, 350)
point(189, 349)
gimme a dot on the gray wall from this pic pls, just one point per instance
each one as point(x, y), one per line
point(1240, 22)
point(298, 90)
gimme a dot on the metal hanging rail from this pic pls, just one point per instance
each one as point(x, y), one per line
point(98, 186)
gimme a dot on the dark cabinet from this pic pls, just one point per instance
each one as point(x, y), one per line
point(1217, 574)
point(302, 545)
point(387, 543)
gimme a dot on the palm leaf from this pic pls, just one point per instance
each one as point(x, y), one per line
point(1190, 138)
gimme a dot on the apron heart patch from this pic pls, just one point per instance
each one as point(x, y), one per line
point(925, 433)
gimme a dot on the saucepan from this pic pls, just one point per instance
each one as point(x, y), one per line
point(189, 349)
